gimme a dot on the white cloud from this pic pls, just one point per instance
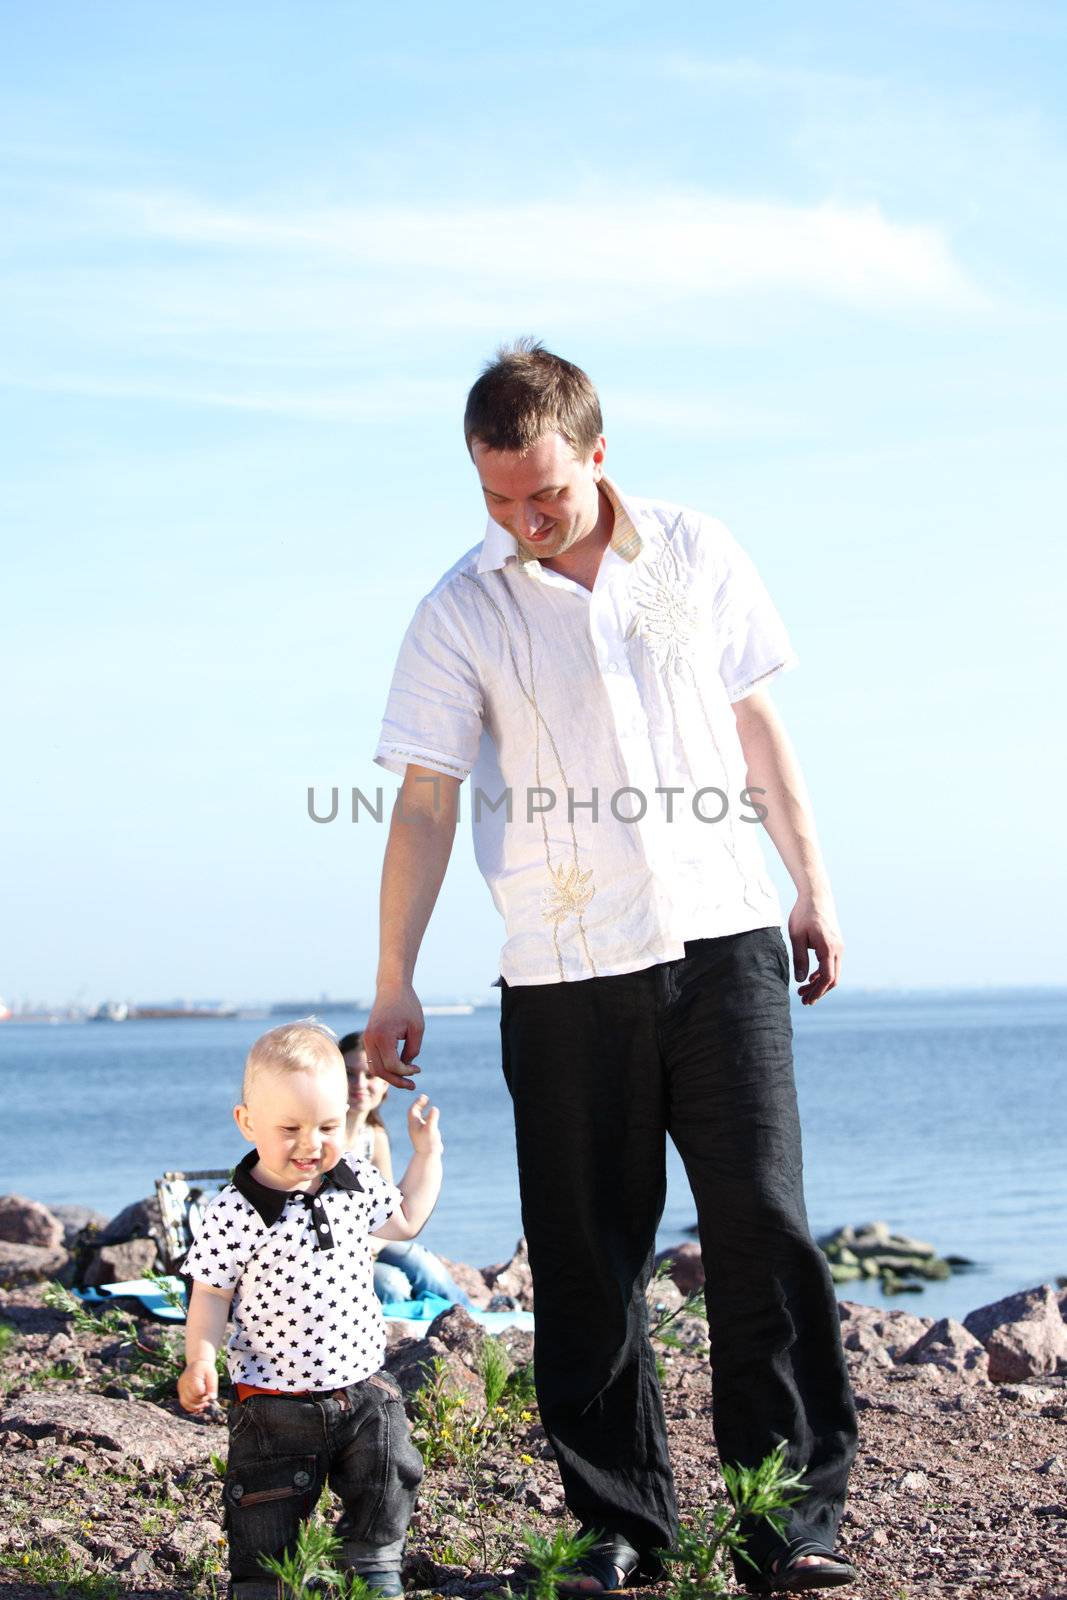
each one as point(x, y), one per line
point(694, 244)
point(747, 74)
point(378, 400)
point(385, 400)
point(298, 311)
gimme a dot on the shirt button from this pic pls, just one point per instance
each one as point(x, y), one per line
point(613, 666)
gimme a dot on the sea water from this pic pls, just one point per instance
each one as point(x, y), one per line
point(943, 1114)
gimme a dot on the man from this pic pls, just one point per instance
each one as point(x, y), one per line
point(600, 663)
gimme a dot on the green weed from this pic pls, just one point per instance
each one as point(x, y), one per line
point(309, 1568)
point(164, 1282)
point(437, 1405)
point(58, 1298)
point(447, 1430)
point(66, 1574)
point(553, 1559)
point(64, 1370)
point(155, 1361)
point(702, 1559)
point(494, 1368)
point(202, 1569)
point(8, 1337)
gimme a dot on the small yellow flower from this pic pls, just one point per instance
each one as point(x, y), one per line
point(498, 1411)
point(527, 1461)
point(525, 1416)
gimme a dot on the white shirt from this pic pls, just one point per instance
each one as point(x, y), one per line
point(305, 1315)
point(557, 697)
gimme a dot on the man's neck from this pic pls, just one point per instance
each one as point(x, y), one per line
point(581, 562)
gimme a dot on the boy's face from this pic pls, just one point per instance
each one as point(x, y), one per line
point(296, 1120)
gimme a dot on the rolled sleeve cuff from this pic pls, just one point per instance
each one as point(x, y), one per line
point(398, 757)
point(740, 690)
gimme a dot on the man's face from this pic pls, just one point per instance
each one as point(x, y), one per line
point(546, 497)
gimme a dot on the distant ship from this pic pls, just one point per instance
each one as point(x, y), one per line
point(312, 1008)
point(194, 1010)
point(5, 1011)
point(110, 1011)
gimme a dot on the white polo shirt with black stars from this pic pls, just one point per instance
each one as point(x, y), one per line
point(305, 1315)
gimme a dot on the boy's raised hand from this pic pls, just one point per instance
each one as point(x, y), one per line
point(198, 1386)
point(422, 1126)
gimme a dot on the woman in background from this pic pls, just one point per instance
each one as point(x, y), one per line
point(402, 1271)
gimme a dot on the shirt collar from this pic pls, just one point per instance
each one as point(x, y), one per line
point(499, 546)
point(270, 1203)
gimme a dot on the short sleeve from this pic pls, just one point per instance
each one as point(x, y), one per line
point(224, 1241)
point(382, 1197)
point(433, 716)
point(749, 635)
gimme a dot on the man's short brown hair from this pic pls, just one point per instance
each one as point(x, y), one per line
point(527, 392)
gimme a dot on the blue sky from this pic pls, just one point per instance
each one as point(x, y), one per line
point(251, 258)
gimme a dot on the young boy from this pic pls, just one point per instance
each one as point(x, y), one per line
point(285, 1248)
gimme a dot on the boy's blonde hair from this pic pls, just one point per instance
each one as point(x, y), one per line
point(305, 1046)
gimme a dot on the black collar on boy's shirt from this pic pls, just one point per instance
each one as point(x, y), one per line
point(270, 1203)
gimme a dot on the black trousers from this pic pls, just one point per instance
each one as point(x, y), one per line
point(600, 1071)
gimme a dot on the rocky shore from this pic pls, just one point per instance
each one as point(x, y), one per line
point(106, 1487)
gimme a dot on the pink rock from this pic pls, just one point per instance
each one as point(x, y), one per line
point(118, 1263)
point(1024, 1334)
point(29, 1263)
point(28, 1222)
point(469, 1280)
point(863, 1340)
point(897, 1330)
point(411, 1363)
point(459, 1333)
point(135, 1428)
point(687, 1268)
point(513, 1277)
point(951, 1347)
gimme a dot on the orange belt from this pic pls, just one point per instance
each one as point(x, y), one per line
point(245, 1389)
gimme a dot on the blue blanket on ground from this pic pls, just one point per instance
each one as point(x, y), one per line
point(418, 1314)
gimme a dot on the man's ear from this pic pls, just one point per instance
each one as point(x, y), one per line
point(243, 1119)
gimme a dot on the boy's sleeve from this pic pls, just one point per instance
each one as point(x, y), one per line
point(433, 717)
point(383, 1199)
point(224, 1242)
point(750, 636)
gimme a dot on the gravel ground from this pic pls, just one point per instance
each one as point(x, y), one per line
point(959, 1488)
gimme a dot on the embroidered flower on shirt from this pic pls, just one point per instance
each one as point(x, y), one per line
point(569, 895)
point(665, 618)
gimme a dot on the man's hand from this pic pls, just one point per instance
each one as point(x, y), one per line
point(397, 1015)
point(198, 1386)
point(813, 926)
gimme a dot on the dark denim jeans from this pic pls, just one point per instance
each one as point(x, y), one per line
point(282, 1451)
point(600, 1071)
